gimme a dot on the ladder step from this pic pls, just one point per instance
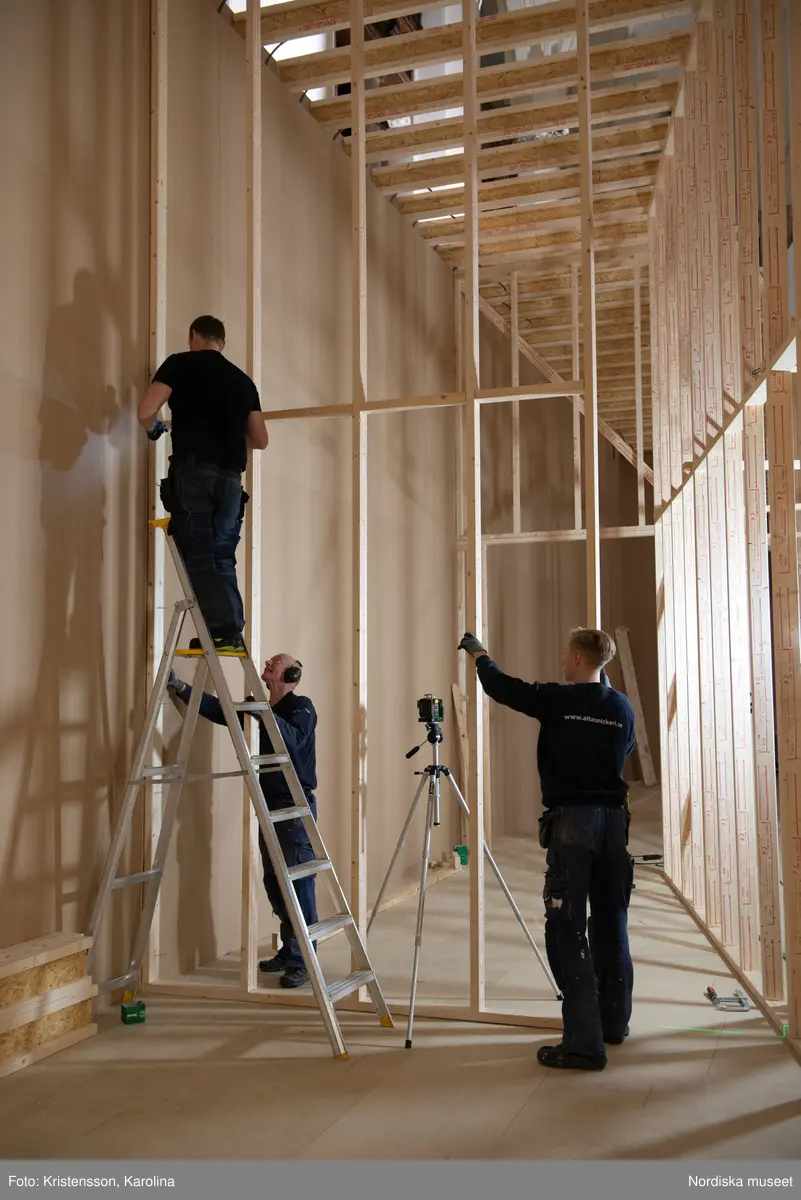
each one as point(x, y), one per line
point(131, 880)
point(330, 926)
point(269, 760)
point(287, 814)
point(345, 987)
point(252, 706)
point(157, 774)
point(309, 868)
point(111, 985)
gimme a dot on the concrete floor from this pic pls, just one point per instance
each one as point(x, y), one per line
point(203, 1079)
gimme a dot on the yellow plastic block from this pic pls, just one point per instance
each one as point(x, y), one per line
point(387, 1023)
point(342, 1057)
point(162, 523)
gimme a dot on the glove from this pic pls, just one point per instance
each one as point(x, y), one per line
point(472, 645)
point(156, 430)
point(174, 684)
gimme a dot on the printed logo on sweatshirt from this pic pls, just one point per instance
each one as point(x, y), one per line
point(594, 720)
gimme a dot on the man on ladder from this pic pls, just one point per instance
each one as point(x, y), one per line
point(297, 720)
point(216, 415)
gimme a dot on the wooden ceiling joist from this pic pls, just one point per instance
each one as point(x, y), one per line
point(558, 285)
point(646, 138)
point(504, 31)
point(555, 185)
point(636, 101)
point(612, 62)
point(513, 222)
point(549, 243)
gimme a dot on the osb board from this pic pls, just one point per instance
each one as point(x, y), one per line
point(56, 1025)
point(10, 1065)
point(39, 951)
point(38, 980)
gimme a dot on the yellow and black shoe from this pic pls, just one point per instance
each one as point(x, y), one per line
point(223, 645)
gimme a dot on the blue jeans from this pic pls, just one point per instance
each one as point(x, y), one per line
point(297, 849)
point(588, 859)
point(206, 506)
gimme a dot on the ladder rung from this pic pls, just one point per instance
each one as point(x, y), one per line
point(269, 760)
point(330, 926)
point(252, 706)
point(216, 775)
point(111, 985)
point(287, 814)
point(158, 774)
point(345, 987)
point(131, 880)
point(309, 868)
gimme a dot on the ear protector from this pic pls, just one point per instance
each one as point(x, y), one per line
point(292, 674)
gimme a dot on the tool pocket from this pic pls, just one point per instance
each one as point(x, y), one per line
point(166, 493)
point(629, 885)
point(242, 506)
point(545, 829)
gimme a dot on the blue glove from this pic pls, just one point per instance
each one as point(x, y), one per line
point(156, 430)
point(174, 684)
point(472, 645)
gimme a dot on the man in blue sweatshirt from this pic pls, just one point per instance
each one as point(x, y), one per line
point(586, 734)
point(297, 722)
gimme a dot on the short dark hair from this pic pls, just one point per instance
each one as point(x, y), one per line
point(594, 645)
point(211, 329)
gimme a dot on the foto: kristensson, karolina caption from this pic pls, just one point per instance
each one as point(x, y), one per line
point(90, 1181)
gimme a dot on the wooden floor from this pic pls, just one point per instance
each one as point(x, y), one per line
point(212, 1080)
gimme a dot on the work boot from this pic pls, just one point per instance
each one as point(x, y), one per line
point(294, 977)
point(565, 1060)
point(227, 644)
point(272, 966)
point(618, 1039)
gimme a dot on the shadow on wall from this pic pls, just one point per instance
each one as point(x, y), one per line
point(72, 741)
point(68, 764)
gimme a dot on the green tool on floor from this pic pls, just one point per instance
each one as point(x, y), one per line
point(460, 853)
point(132, 1012)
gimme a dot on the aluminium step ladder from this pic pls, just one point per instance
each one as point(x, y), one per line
point(176, 775)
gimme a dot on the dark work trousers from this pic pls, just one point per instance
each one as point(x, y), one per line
point(588, 859)
point(297, 849)
point(206, 506)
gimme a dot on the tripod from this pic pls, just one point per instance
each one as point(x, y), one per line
point(433, 772)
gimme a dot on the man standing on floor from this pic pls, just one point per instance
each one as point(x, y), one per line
point(216, 415)
point(586, 734)
point(297, 722)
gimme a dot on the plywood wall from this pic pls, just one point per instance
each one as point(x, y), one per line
point(73, 348)
point(74, 324)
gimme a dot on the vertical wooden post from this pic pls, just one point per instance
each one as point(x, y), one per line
point(588, 318)
point(767, 831)
point(638, 394)
point(514, 331)
point(776, 313)
point(461, 527)
point(746, 31)
point(735, 504)
point(574, 294)
point(358, 897)
point(253, 56)
point(157, 549)
point(473, 490)
point(780, 419)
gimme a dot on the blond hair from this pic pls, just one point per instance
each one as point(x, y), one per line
point(595, 646)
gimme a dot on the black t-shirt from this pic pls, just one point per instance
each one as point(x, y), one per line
point(586, 734)
point(210, 404)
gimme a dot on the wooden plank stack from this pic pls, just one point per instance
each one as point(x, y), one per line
point(45, 999)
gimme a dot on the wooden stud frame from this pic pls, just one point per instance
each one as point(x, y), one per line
point(157, 551)
point(718, 336)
